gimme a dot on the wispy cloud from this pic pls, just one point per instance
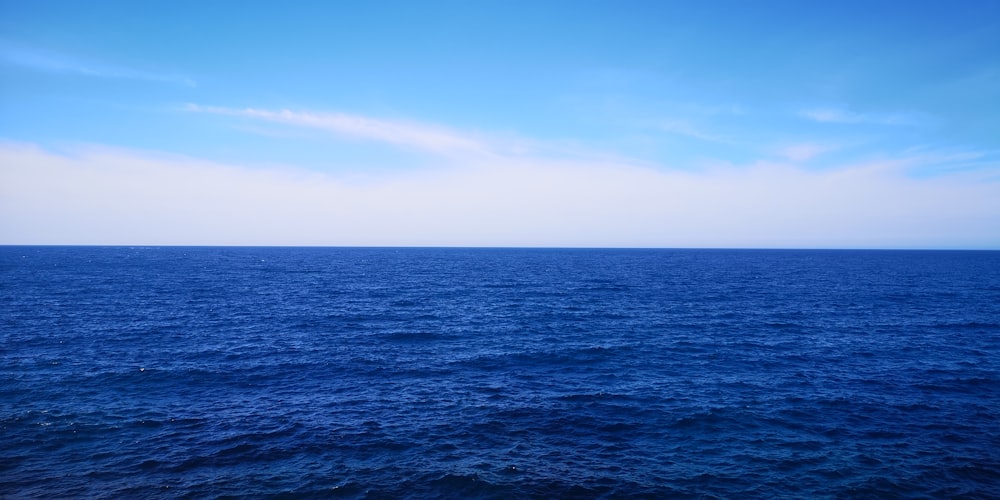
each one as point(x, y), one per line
point(420, 136)
point(803, 151)
point(841, 115)
point(54, 62)
point(408, 134)
point(687, 129)
point(476, 148)
point(929, 161)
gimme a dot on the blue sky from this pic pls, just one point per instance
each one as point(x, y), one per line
point(665, 124)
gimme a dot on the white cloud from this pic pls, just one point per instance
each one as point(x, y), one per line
point(415, 135)
point(444, 143)
point(112, 196)
point(63, 63)
point(840, 115)
point(687, 129)
point(803, 151)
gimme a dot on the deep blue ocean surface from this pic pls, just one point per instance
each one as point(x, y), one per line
point(458, 373)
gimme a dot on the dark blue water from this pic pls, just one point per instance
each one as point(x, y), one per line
point(369, 373)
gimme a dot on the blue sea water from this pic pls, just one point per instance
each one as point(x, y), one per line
point(498, 373)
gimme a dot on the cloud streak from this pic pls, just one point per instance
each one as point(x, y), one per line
point(412, 135)
point(687, 129)
point(803, 151)
point(53, 62)
point(844, 116)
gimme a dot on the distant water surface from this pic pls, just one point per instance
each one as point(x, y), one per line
point(458, 373)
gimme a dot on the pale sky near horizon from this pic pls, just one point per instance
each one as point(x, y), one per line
point(766, 124)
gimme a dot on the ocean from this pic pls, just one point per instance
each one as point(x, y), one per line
point(498, 373)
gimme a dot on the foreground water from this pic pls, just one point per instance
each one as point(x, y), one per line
point(205, 372)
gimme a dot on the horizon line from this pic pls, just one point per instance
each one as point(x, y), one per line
point(503, 247)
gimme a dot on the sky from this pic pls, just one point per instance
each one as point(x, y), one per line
point(730, 124)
